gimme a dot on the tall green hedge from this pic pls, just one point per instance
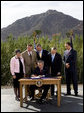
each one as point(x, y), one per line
point(8, 48)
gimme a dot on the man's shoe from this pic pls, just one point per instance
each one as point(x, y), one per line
point(67, 94)
point(17, 98)
point(41, 101)
point(52, 94)
point(32, 99)
point(76, 94)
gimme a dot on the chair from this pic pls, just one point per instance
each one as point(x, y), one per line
point(39, 94)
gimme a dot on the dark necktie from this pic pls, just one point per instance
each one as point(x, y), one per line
point(21, 66)
point(30, 56)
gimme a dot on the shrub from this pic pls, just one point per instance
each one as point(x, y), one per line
point(8, 47)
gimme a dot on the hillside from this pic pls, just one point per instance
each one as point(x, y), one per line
point(49, 23)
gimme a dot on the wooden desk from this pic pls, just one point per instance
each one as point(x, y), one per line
point(43, 81)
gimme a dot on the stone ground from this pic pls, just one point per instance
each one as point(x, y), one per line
point(68, 103)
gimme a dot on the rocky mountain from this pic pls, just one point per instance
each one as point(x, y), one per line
point(49, 23)
point(78, 29)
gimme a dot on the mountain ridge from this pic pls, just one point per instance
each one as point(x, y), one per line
point(49, 22)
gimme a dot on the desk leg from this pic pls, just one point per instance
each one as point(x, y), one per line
point(26, 92)
point(21, 96)
point(58, 94)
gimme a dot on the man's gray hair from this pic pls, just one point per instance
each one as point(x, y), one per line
point(53, 48)
point(41, 61)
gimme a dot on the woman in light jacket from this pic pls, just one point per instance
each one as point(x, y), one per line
point(17, 70)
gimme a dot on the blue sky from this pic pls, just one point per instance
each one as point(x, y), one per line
point(14, 10)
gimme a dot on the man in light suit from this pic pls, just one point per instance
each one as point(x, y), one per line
point(30, 60)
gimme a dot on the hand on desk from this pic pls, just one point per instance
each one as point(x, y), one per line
point(33, 75)
point(58, 73)
point(41, 75)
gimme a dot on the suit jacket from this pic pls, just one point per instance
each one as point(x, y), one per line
point(71, 59)
point(56, 65)
point(43, 72)
point(44, 57)
point(30, 64)
point(14, 65)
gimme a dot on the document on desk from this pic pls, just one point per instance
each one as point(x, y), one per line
point(35, 77)
point(38, 77)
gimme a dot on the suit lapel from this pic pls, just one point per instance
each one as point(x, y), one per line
point(32, 55)
point(69, 54)
point(27, 55)
point(50, 57)
point(53, 59)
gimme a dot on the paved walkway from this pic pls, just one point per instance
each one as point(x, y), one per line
point(68, 103)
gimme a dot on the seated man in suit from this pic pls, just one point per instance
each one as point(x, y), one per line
point(40, 71)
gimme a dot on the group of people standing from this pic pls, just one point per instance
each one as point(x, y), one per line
point(41, 62)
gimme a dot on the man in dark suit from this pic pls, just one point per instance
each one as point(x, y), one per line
point(42, 55)
point(55, 63)
point(70, 56)
point(42, 72)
